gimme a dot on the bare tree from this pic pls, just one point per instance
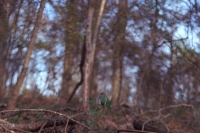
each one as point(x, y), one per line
point(4, 36)
point(117, 52)
point(87, 60)
point(90, 49)
point(71, 44)
point(20, 79)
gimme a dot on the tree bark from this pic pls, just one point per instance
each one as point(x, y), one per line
point(118, 57)
point(87, 60)
point(71, 44)
point(90, 50)
point(116, 83)
point(4, 35)
point(81, 66)
point(13, 99)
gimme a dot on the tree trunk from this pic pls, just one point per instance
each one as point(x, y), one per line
point(88, 70)
point(118, 56)
point(4, 35)
point(71, 44)
point(81, 66)
point(13, 99)
point(116, 83)
point(94, 81)
point(90, 50)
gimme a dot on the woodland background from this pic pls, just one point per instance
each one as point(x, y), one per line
point(147, 53)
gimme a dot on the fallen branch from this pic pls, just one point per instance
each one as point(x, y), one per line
point(156, 124)
point(40, 125)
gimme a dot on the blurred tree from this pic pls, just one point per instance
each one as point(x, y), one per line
point(90, 49)
point(72, 41)
point(13, 99)
point(4, 37)
point(120, 27)
point(138, 56)
point(186, 68)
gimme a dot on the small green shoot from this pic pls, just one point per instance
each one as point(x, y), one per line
point(102, 102)
point(108, 104)
point(105, 102)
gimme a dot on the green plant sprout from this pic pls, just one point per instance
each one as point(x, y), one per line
point(102, 100)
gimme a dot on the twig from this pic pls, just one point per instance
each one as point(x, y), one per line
point(48, 111)
point(160, 114)
point(66, 125)
point(5, 129)
point(173, 106)
point(155, 120)
point(42, 127)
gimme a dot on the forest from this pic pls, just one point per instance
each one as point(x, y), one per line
point(75, 66)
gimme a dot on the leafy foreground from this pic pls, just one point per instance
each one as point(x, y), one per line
point(101, 119)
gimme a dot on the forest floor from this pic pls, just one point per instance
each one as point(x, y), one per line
point(124, 119)
point(71, 120)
